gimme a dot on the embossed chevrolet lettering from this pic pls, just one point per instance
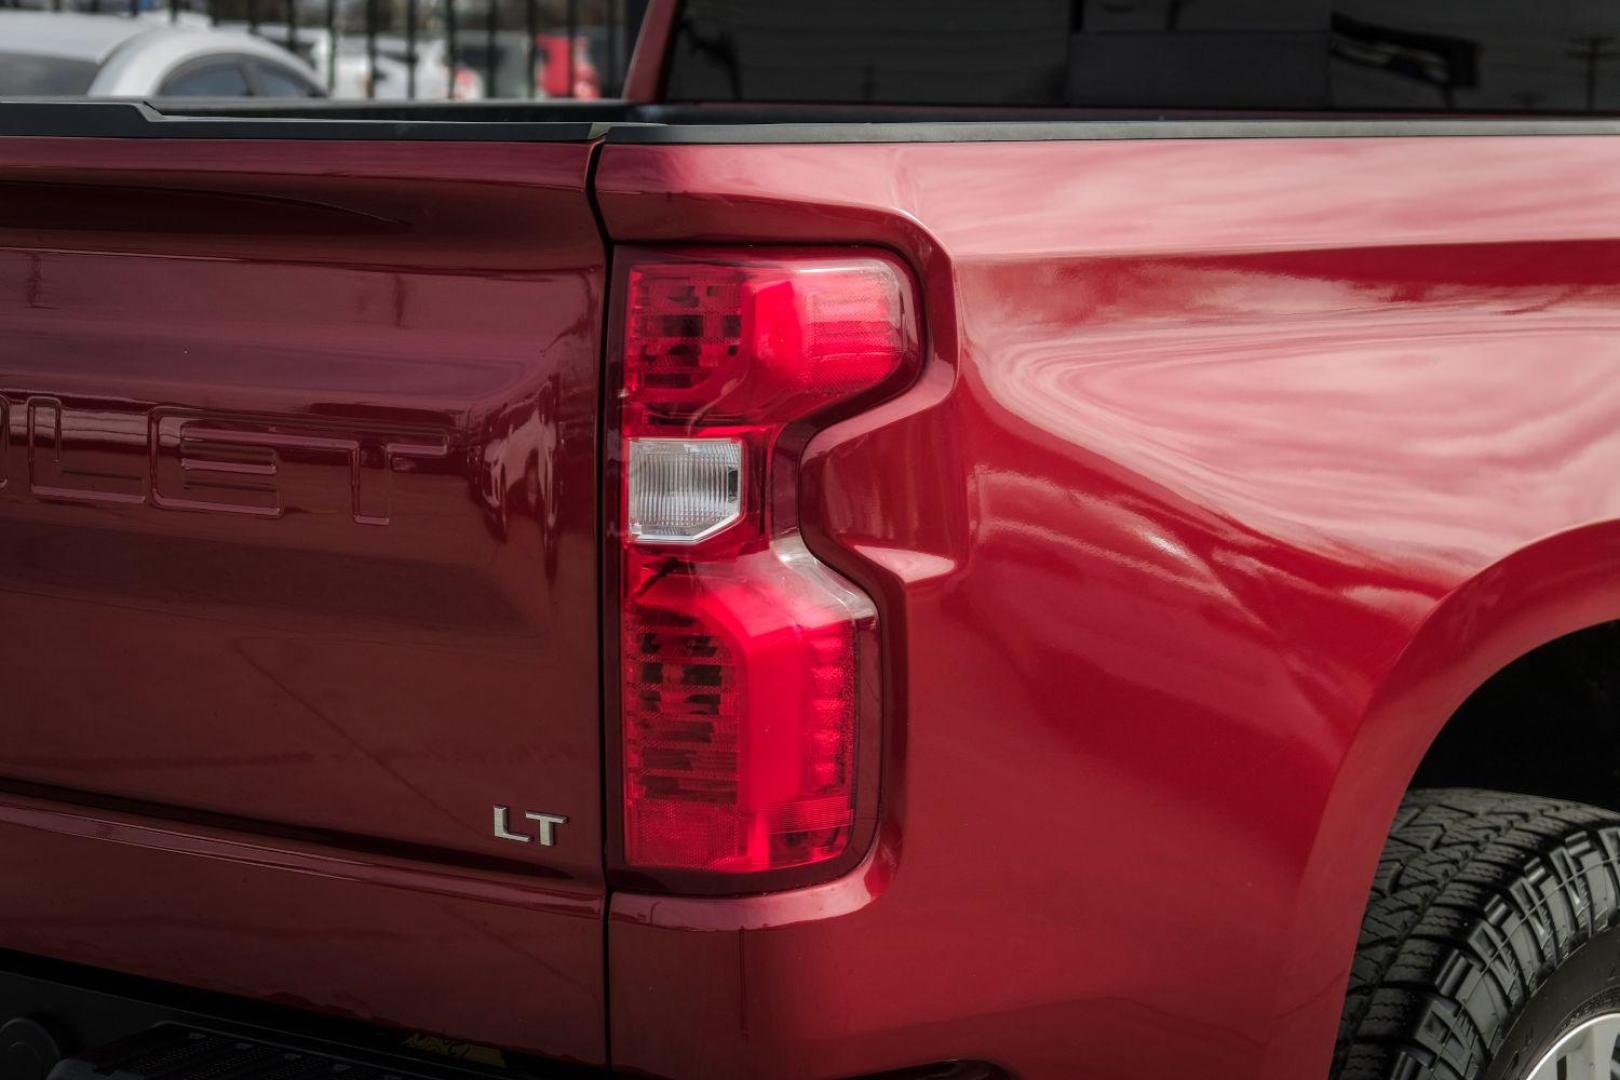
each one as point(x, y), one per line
point(547, 832)
point(185, 459)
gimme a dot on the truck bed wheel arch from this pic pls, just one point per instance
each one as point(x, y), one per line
point(1538, 594)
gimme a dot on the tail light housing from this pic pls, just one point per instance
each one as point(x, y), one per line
point(747, 682)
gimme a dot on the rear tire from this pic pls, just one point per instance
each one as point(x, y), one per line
point(1492, 933)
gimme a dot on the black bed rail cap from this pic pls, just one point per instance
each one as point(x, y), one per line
point(125, 119)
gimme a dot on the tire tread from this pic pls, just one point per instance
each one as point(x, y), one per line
point(1478, 898)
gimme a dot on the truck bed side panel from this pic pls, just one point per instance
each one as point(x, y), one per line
point(1234, 459)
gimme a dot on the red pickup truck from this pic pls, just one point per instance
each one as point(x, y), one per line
point(932, 539)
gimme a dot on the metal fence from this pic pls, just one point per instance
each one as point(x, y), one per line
point(422, 49)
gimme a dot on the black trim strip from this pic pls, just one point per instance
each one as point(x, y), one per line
point(617, 122)
point(140, 120)
point(1094, 130)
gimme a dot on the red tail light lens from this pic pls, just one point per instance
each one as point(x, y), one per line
point(739, 715)
point(762, 344)
point(747, 667)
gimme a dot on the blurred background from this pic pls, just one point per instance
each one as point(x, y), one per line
point(457, 50)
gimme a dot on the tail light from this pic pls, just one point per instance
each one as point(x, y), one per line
point(748, 670)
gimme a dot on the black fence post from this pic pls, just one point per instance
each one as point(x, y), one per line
point(531, 28)
point(450, 58)
point(614, 18)
point(410, 49)
point(372, 12)
point(490, 16)
point(573, 31)
point(331, 45)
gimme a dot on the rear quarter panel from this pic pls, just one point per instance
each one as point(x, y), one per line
point(1236, 465)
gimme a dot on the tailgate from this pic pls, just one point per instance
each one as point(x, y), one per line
point(298, 542)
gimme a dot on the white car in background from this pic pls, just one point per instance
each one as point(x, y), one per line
point(52, 54)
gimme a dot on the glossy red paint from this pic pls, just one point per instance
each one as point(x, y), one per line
point(298, 554)
point(499, 957)
point(644, 76)
point(1236, 465)
point(1224, 482)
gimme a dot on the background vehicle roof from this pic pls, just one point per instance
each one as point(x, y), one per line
point(97, 37)
point(71, 36)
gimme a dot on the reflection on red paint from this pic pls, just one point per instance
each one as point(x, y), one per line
point(293, 438)
point(1228, 480)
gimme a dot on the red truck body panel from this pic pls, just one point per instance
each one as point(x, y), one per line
point(1235, 464)
point(1238, 463)
point(298, 528)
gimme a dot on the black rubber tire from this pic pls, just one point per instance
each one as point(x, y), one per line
point(1494, 924)
point(28, 1049)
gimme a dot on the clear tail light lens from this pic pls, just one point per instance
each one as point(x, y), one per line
point(683, 490)
point(748, 669)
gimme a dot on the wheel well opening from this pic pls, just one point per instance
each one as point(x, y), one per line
point(1547, 724)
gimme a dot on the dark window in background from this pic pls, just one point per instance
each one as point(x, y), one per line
point(223, 79)
point(1492, 56)
point(272, 80)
